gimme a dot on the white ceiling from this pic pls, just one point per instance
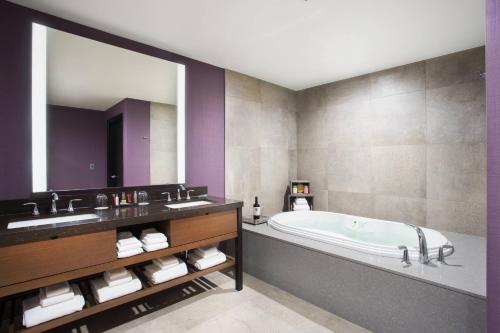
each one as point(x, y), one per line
point(87, 74)
point(293, 43)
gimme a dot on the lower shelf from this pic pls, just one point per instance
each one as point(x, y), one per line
point(12, 319)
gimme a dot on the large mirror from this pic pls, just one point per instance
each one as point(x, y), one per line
point(103, 116)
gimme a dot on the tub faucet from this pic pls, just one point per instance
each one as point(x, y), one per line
point(53, 207)
point(423, 257)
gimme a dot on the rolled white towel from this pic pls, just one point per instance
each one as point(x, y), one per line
point(102, 292)
point(34, 313)
point(57, 289)
point(48, 301)
point(129, 253)
point(207, 251)
point(117, 276)
point(155, 247)
point(157, 275)
point(166, 262)
point(203, 263)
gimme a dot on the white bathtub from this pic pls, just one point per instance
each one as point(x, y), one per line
point(363, 234)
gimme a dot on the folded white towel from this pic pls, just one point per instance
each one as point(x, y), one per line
point(129, 253)
point(152, 236)
point(301, 201)
point(151, 241)
point(131, 246)
point(155, 247)
point(102, 292)
point(57, 289)
point(204, 263)
point(34, 313)
point(207, 251)
point(48, 301)
point(167, 261)
point(117, 276)
point(157, 275)
point(300, 208)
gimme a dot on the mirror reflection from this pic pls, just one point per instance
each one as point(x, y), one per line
point(113, 116)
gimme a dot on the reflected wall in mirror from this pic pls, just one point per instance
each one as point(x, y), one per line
point(104, 116)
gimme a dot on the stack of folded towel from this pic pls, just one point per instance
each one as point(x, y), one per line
point(113, 284)
point(128, 245)
point(153, 240)
point(165, 269)
point(205, 257)
point(52, 302)
point(301, 204)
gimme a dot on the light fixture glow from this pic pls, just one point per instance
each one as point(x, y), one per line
point(39, 107)
point(181, 123)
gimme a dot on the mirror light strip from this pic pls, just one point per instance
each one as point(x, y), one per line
point(39, 107)
point(181, 123)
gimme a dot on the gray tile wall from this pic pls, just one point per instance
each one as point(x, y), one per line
point(261, 141)
point(404, 144)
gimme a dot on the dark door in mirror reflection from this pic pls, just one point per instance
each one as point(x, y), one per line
point(115, 151)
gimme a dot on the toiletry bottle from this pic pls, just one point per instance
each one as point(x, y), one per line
point(256, 209)
point(294, 189)
point(117, 200)
point(306, 189)
point(129, 197)
point(135, 197)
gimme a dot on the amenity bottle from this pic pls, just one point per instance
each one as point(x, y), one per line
point(256, 209)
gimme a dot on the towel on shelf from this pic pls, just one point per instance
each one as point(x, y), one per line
point(152, 236)
point(126, 238)
point(34, 313)
point(301, 208)
point(102, 292)
point(206, 251)
point(166, 262)
point(155, 247)
point(129, 246)
point(48, 301)
point(301, 201)
point(117, 276)
point(57, 289)
point(203, 263)
point(157, 275)
point(129, 253)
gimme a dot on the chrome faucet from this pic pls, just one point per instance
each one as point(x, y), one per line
point(168, 196)
point(53, 207)
point(423, 257)
point(35, 208)
point(70, 205)
point(188, 197)
point(181, 187)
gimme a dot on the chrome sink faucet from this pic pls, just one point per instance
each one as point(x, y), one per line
point(70, 205)
point(423, 257)
point(53, 207)
point(181, 187)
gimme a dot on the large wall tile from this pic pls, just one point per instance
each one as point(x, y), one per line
point(456, 113)
point(399, 170)
point(398, 120)
point(274, 169)
point(274, 96)
point(273, 127)
point(242, 86)
point(455, 68)
point(360, 204)
point(312, 129)
point(242, 123)
point(349, 123)
point(399, 80)
point(349, 168)
point(320, 200)
point(400, 209)
point(467, 218)
point(348, 91)
point(312, 165)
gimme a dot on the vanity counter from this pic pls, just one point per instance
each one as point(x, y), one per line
point(108, 219)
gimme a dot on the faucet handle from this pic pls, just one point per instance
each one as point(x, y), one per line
point(169, 198)
point(188, 197)
point(70, 205)
point(440, 258)
point(405, 261)
point(35, 208)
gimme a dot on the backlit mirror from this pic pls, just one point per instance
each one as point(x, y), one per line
point(103, 116)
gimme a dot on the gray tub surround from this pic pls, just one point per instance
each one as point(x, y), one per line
point(372, 291)
point(404, 144)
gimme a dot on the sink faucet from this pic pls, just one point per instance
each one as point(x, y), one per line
point(53, 207)
point(423, 257)
point(181, 187)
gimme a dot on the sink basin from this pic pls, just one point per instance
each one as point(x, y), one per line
point(188, 204)
point(51, 220)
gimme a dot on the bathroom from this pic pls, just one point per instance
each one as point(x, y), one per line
point(304, 166)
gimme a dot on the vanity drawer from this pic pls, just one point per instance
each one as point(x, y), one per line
point(192, 229)
point(23, 262)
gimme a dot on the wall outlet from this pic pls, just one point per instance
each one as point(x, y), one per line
point(91, 166)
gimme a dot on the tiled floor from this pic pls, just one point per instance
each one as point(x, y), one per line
point(259, 307)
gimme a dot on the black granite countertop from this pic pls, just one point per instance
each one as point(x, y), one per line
point(108, 219)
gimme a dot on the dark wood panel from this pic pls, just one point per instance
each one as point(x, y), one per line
point(75, 274)
point(29, 261)
point(192, 229)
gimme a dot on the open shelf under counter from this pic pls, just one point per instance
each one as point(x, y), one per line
point(12, 319)
point(91, 270)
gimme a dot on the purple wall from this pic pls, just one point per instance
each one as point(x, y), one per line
point(493, 146)
point(204, 104)
point(76, 138)
point(136, 168)
point(205, 100)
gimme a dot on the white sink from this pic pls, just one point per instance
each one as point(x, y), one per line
point(51, 220)
point(188, 204)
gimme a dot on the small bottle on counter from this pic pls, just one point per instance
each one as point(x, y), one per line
point(306, 189)
point(256, 209)
point(135, 197)
point(294, 189)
